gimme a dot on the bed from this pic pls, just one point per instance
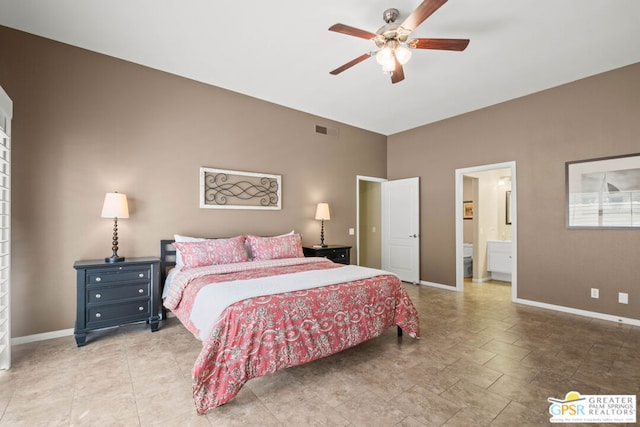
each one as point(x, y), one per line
point(258, 306)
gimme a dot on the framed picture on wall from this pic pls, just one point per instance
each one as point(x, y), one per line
point(604, 192)
point(467, 210)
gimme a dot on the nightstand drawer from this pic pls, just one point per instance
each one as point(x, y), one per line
point(335, 253)
point(125, 311)
point(98, 294)
point(117, 275)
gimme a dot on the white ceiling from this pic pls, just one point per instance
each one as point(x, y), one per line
point(282, 52)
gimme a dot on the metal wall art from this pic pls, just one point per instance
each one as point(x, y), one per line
point(604, 193)
point(228, 189)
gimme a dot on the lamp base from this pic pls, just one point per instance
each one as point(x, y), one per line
point(112, 259)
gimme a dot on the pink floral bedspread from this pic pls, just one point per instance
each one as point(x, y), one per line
point(258, 336)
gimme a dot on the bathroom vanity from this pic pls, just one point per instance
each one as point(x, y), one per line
point(499, 259)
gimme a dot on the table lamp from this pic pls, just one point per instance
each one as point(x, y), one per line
point(322, 214)
point(115, 206)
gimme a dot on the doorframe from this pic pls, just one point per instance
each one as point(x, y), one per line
point(358, 179)
point(459, 180)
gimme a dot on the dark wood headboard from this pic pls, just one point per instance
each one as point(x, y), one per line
point(167, 259)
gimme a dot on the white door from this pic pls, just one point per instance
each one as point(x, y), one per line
point(401, 228)
point(6, 108)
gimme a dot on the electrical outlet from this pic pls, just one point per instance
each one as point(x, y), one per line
point(352, 232)
point(595, 293)
point(623, 298)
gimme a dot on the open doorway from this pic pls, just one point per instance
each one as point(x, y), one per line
point(369, 221)
point(488, 235)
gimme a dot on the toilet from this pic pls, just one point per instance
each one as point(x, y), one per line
point(468, 259)
point(468, 250)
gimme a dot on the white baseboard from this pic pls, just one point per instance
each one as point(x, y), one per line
point(41, 337)
point(438, 285)
point(56, 334)
point(585, 313)
point(563, 309)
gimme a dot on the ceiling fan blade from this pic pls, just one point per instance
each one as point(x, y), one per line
point(422, 12)
point(440, 44)
point(398, 74)
point(352, 31)
point(350, 64)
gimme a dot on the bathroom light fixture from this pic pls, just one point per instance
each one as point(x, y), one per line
point(115, 206)
point(503, 181)
point(322, 214)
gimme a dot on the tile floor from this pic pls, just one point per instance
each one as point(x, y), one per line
point(481, 361)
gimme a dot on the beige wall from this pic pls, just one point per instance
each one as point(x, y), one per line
point(591, 118)
point(85, 124)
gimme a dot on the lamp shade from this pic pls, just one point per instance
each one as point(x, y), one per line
point(115, 206)
point(322, 211)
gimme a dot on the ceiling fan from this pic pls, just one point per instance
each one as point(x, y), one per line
point(391, 40)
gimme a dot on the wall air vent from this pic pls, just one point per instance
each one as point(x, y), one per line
point(323, 130)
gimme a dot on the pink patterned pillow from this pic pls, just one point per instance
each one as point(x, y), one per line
point(212, 252)
point(263, 248)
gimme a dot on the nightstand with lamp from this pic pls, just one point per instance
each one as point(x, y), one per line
point(114, 291)
point(336, 253)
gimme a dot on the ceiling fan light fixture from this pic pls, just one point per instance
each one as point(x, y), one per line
point(384, 56)
point(395, 50)
point(402, 54)
point(389, 67)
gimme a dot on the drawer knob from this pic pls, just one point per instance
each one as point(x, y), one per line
point(98, 279)
point(141, 291)
point(141, 308)
point(98, 315)
point(141, 275)
point(98, 296)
